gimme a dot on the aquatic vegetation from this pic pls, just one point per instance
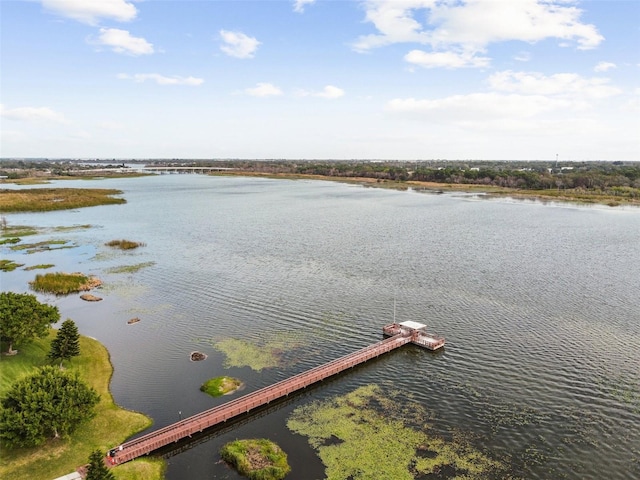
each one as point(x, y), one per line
point(257, 459)
point(130, 268)
point(10, 240)
point(270, 354)
point(241, 353)
point(362, 435)
point(72, 228)
point(63, 283)
point(9, 265)
point(48, 199)
point(220, 386)
point(18, 231)
point(42, 266)
point(41, 246)
point(124, 244)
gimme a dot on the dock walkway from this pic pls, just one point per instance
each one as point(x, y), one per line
point(218, 415)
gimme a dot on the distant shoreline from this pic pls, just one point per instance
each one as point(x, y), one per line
point(568, 195)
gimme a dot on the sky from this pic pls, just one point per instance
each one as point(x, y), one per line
point(318, 79)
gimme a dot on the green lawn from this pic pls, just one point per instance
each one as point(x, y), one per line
point(111, 426)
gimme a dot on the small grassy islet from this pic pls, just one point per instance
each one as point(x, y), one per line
point(63, 283)
point(257, 459)
point(124, 244)
point(219, 386)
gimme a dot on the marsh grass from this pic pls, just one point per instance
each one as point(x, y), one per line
point(42, 266)
point(9, 265)
point(41, 246)
point(111, 426)
point(124, 244)
point(63, 283)
point(257, 459)
point(10, 240)
point(19, 231)
point(130, 268)
point(219, 386)
point(49, 199)
point(368, 433)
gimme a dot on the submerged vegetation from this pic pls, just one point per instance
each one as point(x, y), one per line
point(369, 434)
point(130, 268)
point(258, 356)
point(257, 459)
point(124, 244)
point(219, 386)
point(42, 246)
point(63, 283)
point(48, 199)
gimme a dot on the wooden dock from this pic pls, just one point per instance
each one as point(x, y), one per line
point(219, 415)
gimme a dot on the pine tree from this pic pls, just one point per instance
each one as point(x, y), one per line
point(97, 468)
point(67, 342)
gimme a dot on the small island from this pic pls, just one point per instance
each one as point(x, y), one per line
point(220, 386)
point(257, 459)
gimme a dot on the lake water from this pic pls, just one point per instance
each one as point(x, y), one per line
point(540, 305)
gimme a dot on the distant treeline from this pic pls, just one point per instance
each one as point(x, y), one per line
point(617, 178)
point(613, 178)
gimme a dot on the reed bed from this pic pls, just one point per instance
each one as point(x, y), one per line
point(49, 199)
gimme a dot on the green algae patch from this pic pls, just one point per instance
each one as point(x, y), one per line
point(241, 353)
point(130, 268)
point(257, 459)
point(366, 435)
point(268, 354)
point(220, 386)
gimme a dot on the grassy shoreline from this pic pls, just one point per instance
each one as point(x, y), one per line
point(579, 196)
point(49, 199)
point(111, 425)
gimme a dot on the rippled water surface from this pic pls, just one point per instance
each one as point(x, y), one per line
point(540, 305)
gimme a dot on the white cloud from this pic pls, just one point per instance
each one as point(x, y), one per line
point(237, 44)
point(467, 27)
point(161, 79)
point(329, 92)
point(263, 90)
point(121, 41)
point(91, 11)
point(523, 56)
point(604, 66)
point(32, 114)
point(298, 5)
point(445, 59)
point(567, 84)
point(476, 107)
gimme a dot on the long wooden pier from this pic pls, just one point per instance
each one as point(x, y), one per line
point(218, 415)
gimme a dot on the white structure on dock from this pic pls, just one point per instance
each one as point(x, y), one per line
point(418, 332)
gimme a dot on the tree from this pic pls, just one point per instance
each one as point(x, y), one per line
point(23, 317)
point(47, 404)
point(97, 469)
point(67, 342)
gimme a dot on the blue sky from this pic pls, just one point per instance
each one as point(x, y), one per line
point(340, 79)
